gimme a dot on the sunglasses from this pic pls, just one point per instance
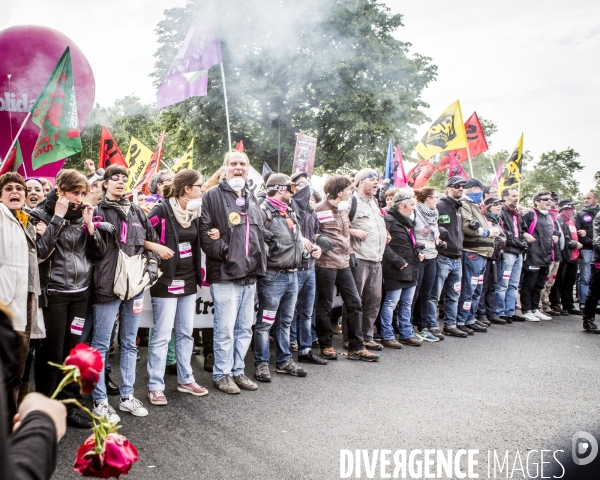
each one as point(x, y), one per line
point(10, 188)
point(496, 204)
point(301, 184)
point(545, 199)
point(371, 175)
point(458, 186)
point(116, 178)
point(290, 187)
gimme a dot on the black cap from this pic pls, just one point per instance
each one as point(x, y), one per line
point(473, 182)
point(297, 175)
point(491, 200)
point(567, 202)
point(454, 180)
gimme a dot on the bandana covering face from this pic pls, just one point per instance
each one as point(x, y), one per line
point(567, 213)
point(282, 208)
point(475, 197)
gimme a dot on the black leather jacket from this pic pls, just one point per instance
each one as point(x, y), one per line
point(285, 246)
point(584, 221)
point(66, 250)
point(450, 225)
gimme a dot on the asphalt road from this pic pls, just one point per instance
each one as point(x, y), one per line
point(524, 387)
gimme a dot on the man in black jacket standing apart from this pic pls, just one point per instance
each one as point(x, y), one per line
point(449, 265)
point(584, 223)
point(233, 263)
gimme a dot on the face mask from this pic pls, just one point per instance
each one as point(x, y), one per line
point(545, 212)
point(236, 183)
point(343, 205)
point(475, 197)
point(194, 204)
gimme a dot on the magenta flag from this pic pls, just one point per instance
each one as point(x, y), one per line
point(456, 168)
point(498, 175)
point(188, 74)
point(399, 174)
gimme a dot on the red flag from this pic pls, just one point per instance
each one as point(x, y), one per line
point(14, 159)
point(498, 175)
point(110, 154)
point(152, 168)
point(420, 174)
point(239, 146)
point(456, 168)
point(399, 174)
point(477, 143)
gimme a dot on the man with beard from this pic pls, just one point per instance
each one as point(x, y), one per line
point(449, 266)
point(369, 237)
point(278, 289)
point(233, 263)
point(512, 258)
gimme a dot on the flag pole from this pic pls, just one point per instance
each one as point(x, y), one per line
point(494, 169)
point(226, 107)
point(15, 140)
point(470, 163)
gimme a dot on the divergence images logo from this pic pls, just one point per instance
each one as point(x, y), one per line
point(585, 448)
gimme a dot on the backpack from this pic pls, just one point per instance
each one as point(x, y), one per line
point(130, 278)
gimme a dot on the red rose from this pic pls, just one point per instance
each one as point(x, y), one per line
point(118, 457)
point(89, 363)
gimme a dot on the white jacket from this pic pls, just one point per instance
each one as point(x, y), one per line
point(14, 269)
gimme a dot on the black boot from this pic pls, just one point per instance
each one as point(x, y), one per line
point(76, 418)
point(590, 326)
point(111, 387)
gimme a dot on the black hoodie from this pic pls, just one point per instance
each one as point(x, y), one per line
point(399, 252)
point(307, 218)
point(450, 225)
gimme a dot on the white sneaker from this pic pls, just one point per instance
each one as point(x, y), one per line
point(134, 406)
point(103, 409)
point(541, 315)
point(530, 317)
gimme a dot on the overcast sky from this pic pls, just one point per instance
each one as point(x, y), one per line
point(529, 67)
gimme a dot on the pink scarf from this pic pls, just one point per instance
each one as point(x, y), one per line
point(281, 207)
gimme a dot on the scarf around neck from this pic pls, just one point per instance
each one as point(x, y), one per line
point(184, 217)
point(429, 216)
point(281, 207)
point(122, 204)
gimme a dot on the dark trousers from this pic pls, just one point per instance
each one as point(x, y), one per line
point(342, 278)
point(562, 290)
point(487, 301)
point(533, 282)
point(207, 341)
point(593, 296)
point(59, 317)
point(425, 281)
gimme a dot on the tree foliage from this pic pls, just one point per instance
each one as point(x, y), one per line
point(553, 172)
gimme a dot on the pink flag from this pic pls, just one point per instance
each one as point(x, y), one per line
point(455, 168)
point(498, 175)
point(399, 175)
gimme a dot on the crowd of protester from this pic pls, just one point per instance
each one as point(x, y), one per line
point(410, 266)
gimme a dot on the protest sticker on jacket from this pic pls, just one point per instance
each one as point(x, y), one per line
point(304, 156)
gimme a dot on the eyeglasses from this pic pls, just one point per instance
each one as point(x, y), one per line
point(458, 186)
point(10, 188)
point(545, 199)
point(371, 175)
point(495, 204)
point(116, 178)
point(196, 185)
point(166, 180)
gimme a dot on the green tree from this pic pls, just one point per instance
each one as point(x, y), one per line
point(326, 68)
point(553, 172)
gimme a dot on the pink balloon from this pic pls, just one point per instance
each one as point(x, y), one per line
point(29, 54)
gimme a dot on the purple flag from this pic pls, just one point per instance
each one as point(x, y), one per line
point(188, 74)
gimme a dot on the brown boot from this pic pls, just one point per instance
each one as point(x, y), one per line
point(329, 353)
point(411, 341)
point(393, 343)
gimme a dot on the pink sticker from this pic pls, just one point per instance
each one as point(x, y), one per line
point(177, 287)
point(466, 306)
point(185, 250)
point(268, 316)
point(325, 216)
point(138, 306)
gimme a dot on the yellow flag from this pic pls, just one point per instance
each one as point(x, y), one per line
point(138, 156)
point(511, 176)
point(446, 133)
point(186, 161)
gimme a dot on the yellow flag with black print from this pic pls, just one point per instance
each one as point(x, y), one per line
point(138, 156)
point(446, 133)
point(186, 160)
point(511, 176)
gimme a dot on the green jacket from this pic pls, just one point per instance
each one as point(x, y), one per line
point(476, 240)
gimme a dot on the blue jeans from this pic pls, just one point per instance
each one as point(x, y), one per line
point(277, 293)
point(234, 316)
point(303, 314)
point(506, 289)
point(471, 286)
point(449, 274)
point(585, 274)
point(403, 298)
point(169, 312)
point(427, 273)
point(105, 316)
